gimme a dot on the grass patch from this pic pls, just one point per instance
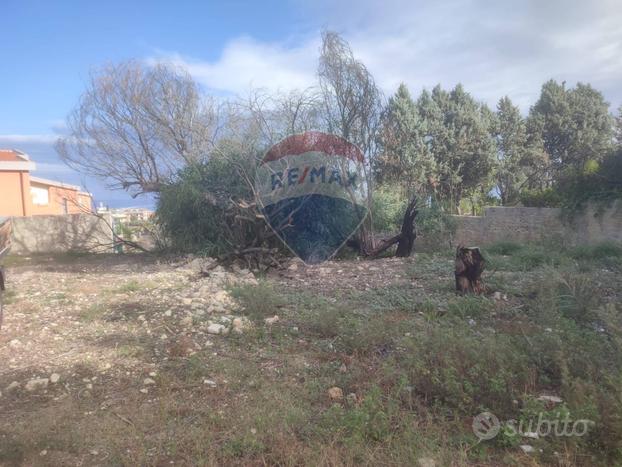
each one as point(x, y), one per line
point(257, 301)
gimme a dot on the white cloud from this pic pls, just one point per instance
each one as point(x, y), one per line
point(494, 48)
point(246, 63)
point(28, 139)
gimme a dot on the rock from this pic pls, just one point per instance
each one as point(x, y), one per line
point(168, 313)
point(144, 390)
point(293, 267)
point(343, 368)
point(202, 265)
point(215, 328)
point(335, 393)
point(186, 301)
point(426, 462)
point(186, 321)
point(239, 325)
point(497, 296)
point(209, 382)
point(54, 378)
point(527, 449)
point(15, 343)
point(148, 381)
point(14, 386)
point(552, 399)
point(270, 321)
point(531, 434)
point(43, 453)
point(37, 383)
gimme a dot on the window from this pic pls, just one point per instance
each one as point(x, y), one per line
point(40, 196)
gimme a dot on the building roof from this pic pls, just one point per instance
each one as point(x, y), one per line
point(13, 160)
point(45, 181)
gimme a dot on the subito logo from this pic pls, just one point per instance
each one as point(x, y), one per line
point(312, 189)
point(486, 426)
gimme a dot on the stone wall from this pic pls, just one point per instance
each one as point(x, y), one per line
point(520, 224)
point(60, 234)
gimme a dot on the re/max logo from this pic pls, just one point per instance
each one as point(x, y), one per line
point(296, 176)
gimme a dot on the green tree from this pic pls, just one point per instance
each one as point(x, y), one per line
point(574, 124)
point(617, 127)
point(521, 161)
point(457, 134)
point(404, 157)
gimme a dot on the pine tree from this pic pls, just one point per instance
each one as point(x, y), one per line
point(405, 158)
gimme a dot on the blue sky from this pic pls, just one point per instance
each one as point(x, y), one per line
point(494, 48)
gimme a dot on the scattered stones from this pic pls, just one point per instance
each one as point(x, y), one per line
point(335, 393)
point(36, 384)
point(239, 325)
point(272, 320)
point(54, 378)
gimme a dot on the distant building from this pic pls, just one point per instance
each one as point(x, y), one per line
point(24, 195)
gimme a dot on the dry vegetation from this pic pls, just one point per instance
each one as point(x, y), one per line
point(142, 379)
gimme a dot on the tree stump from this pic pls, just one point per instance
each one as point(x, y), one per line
point(469, 267)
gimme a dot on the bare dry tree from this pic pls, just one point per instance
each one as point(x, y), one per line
point(352, 108)
point(135, 126)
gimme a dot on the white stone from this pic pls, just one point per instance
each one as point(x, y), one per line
point(209, 382)
point(553, 399)
point(37, 383)
point(168, 313)
point(426, 462)
point(148, 381)
point(270, 321)
point(527, 449)
point(54, 378)
point(215, 328)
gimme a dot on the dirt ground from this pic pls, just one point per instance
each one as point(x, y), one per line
point(135, 360)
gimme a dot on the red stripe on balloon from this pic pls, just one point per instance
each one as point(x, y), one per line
point(314, 141)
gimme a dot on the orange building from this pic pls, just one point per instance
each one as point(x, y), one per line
point(24, 195)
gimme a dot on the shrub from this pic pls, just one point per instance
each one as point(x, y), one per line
point(195, 211)
point(388, 208)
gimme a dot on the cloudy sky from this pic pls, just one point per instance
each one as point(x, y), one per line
point(494, 48)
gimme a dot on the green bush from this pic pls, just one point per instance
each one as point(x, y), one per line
point(388, 207)
point(547, 198)
point(195, 211)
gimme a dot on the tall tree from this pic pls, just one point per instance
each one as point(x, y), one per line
point(574, 124)
point(404, 158)
point(617, 128)
point(520, 158)
point(352, 106)
point(135, 126)
point(457, 133)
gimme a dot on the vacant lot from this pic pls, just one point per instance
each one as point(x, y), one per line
point(131, 360)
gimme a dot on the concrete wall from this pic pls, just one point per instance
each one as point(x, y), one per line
point(520, 224)
point(48, 234)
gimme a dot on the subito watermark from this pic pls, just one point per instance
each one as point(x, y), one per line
point(486, 426)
